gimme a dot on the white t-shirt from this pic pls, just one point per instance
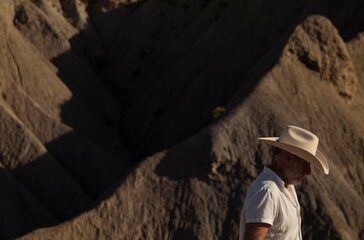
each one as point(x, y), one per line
point(268, 201)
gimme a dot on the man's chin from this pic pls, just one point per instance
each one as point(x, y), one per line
point(297, 181)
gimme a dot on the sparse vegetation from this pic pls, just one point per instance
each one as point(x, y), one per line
point(217, 112)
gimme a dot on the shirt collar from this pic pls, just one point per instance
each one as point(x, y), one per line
point(281, 184)
point(275, 177)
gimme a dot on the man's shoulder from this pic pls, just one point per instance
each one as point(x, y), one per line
point(265, 182)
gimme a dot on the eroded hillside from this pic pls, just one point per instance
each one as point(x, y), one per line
point(106, 109)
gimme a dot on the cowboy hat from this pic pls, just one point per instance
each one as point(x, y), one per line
point(300, 142)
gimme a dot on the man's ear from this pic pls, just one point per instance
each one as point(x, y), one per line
point(288, 157)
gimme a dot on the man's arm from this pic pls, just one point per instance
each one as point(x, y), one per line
point(256, 231)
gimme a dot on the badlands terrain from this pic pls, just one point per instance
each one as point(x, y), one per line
point(127, 119)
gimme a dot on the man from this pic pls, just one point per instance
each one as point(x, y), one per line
point(271, 209)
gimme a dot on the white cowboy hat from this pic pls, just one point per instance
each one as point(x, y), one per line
point(302, 143)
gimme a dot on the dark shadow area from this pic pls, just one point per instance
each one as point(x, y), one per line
point(60, 185)
point(179, 164)
point(159, 122)
point(92, 167)
point(152, 120)
point(20, 210)
point(52, 185)
point(181, 234)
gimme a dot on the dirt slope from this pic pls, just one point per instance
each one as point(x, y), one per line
point(53, 161)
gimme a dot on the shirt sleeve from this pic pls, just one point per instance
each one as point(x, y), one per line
point(260, 207)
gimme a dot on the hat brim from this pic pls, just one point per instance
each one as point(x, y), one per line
point(318, 160)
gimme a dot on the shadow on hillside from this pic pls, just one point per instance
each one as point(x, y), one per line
point(81, 69)
point(87, 64)
point(61, 184)
point(179, 164)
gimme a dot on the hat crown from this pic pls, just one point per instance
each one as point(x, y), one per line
point(300, 138)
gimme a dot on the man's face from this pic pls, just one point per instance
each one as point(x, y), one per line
point(297, 169)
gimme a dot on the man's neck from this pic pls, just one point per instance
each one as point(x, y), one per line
point(280, 174)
